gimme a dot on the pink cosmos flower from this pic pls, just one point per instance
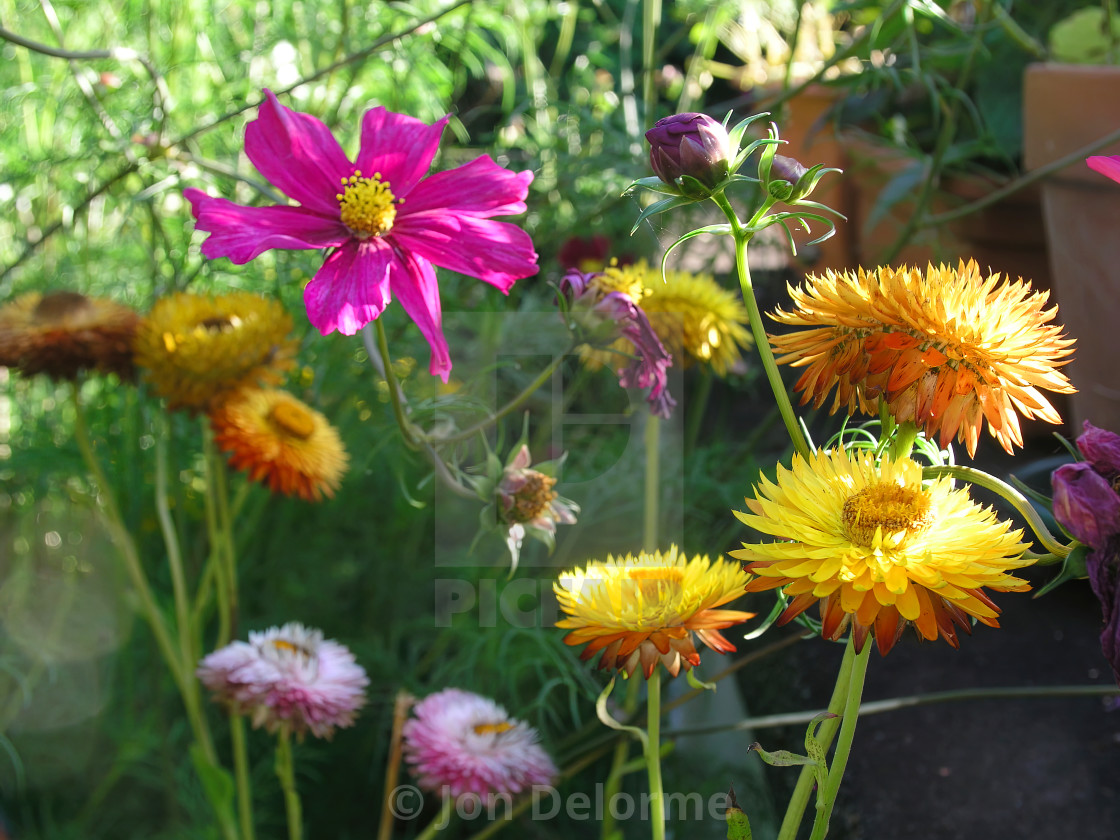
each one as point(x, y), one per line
point(458, 742)
point(385, 223)
point(1108, 165)
point(288, 675)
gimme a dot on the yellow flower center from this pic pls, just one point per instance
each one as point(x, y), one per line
point(292, 419)
point(533, 498)
point(367, 205)
point(894, 508)
point(652, 580)
point(492, 728)
point(627, 279)
point(57, 306)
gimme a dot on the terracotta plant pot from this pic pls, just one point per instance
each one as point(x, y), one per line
point(1066, 108)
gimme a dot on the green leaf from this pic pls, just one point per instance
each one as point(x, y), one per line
point(738, 827)
point(696, 682)
point(661, 207)
point(217, 783)
point(1073, 568)
point(781, 758)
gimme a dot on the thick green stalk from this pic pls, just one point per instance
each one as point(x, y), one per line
point(653, 754)
point(795, 811)
point(844, 741)
point(443, 818)
point(651, 507)
point(613, 784)
point(286, 773)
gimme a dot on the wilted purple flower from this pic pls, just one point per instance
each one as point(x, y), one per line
point(623, 316)
point(288, 675)
point(458, 742)
point(1087, 504)
point(693, 145)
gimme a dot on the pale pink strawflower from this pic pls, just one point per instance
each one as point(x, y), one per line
point(458, 743)
point(386, 224)
point(290, 676)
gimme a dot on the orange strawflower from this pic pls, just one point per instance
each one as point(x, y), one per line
point(946, 349)
point(280, 441)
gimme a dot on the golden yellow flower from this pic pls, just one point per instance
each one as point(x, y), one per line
point(196, 348)
point(878, 549)
point(945, 349)
point(61, 333)
point(280, 441)
point(644, 610)
point(694, 317)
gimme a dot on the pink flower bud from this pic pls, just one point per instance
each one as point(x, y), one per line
point(689, 144)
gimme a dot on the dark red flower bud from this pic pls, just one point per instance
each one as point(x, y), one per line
point(1101, 448)
point(693, 145)
point(1085, 504)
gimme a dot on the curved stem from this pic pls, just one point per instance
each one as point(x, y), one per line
point(613, 784)
point(653, 753)
point(825, 733)
point(409, 432)
point(844, 741)
point(762, 343)
point(401, 706)
point(509, 407)
point(443, 818)
point(286, 773)
point(1020, 502)
point(650, 508)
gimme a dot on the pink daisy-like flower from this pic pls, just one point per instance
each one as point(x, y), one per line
point(458, 742)
point(288, 675)
point(387, 224)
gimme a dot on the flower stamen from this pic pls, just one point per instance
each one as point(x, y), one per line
point(894, 508)
point(367, 205)
point(292, 419)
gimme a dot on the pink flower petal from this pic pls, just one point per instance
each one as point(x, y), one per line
point(497, 253)
point(351, 288)
point(298, 154)
point(414, 284)
point(1108, 165)
point(401, 148)
point(243, 233)
point(479, 188)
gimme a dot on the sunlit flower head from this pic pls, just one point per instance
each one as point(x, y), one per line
point(62, 333)
point(605, 313)
point(638, 611)
point(288, 676)
point(945, 348)
point(386, 224)
point(280, 441)
point(877, 549)
point(460, 743)
point(196, 349)
point(696, 319)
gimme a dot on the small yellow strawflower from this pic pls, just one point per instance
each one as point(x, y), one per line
point(195, 349)
point(945, 349)
point(878, 549)
point(644, 610)
point(62, 333)
point(280, 441)
point(696, 319)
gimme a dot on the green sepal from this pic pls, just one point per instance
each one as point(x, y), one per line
point(780, 758)
point(653, 183)
point(738, 826)
point(717, 230)
point(660, 207)
point(1073, 568)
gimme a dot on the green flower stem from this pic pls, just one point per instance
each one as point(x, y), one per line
point(286, 773)
point(220, 487)
point(653, 753)
point(651, 506)
point(409, 432)
point(216, 565)
point(651, 20)
point(1017, 500)
point(844, 741)
point(613, 784)
point(181, 672)
point(443, 818)
point(903, 441)
point(241, 774)
point(509, 407)
point(762, 343)
point(174, 557)
point(825, 733)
